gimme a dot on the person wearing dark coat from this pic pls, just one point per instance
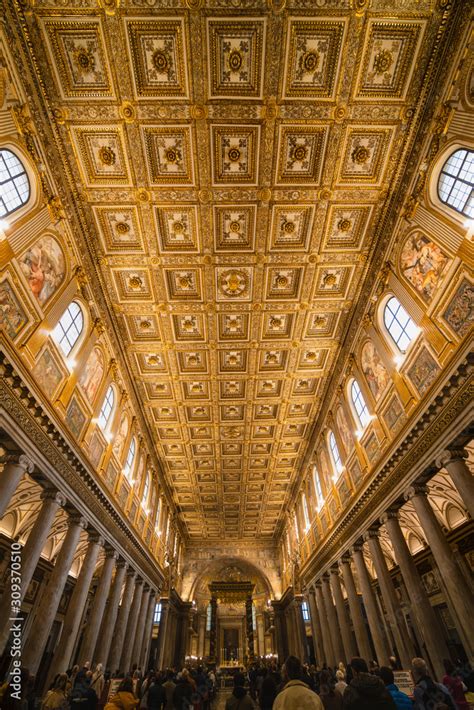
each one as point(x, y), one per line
point(182, 694)
point(268, 692)
point(156, 695)
point(366, 691)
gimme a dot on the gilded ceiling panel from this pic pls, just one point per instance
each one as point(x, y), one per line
point(233, 161)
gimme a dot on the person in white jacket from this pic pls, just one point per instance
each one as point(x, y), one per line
point(295, 695)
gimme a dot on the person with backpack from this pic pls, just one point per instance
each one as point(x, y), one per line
point(428, 694)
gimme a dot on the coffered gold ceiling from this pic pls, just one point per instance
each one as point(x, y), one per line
point(233, 162)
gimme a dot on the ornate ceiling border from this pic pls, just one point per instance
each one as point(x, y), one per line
point(21, 406)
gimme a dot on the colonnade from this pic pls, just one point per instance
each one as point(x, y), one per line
point(121, 604)
point(335, 640)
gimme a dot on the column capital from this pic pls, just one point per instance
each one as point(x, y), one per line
point(311, 590)
point(450, 455)
point(75, 518)
point(140, 581)
point(358, 546)
point(121, 563)
point(111, 553)
point(346, 558)
point(391, 514)
point(417, 489)
point(318, 584)
point(131, 572)
point(94, 536)
point(334, 569)
point(53, 494)
point(371, 534)
point(325, 577)
point(16, 458)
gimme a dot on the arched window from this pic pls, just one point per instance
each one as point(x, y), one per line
point(297, 530)
point(69, 327)
point(359, 404)
point(305, 511)
point(317, 487)
point(456, 182)
point(336, 458)
point(157, 518)
point(401, 328)
point(14, 184)
point(146, 490)
point(128, 468)
point(107, 407)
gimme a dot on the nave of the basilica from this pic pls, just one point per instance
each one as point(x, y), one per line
point(236, 320)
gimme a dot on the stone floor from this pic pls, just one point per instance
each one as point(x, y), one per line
point(221, 698)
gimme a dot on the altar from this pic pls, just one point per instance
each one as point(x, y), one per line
point(232, 641)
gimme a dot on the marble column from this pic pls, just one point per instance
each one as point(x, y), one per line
point(300, 629)
point(329, 657)
point(316, 627)
point(428, 625)
point(125, 661)
point(375, 623)
point(30, 554)
point(110, 617)
point(143, 661)
point(75, 609)
point(122, 619)
point(346, 633)
point(213, 631)
point(459, 590)
point(48, 606)
point(396, 618)
point(201, 635)
point(140, 629)
point(453, 461)
point(332, 622)
point(249, 628)
point(360, 629)
point(96, 613)
point(13, 469)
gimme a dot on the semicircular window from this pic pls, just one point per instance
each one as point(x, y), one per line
point(456, 182)
point(14, 183)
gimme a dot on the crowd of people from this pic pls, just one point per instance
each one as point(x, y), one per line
point(265, 686)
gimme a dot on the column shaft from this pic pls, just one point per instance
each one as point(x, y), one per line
point(75, 610)
point(143, 662)
point(453, 462)
point(332, 622)
point(346, 633)
point(10, 477)
point(213, 631)
point(122, 620)
point(329, 656)
point(459, 591)
point(48, 606)
point(110, 616)
point(249, 621)
point(421, 608)
point(97, 610)
point(360, 629)
point(381, 649)
point(396, 618)
point(29, 558)
point(125, 661)
point(137, 645)
point(316, 627)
